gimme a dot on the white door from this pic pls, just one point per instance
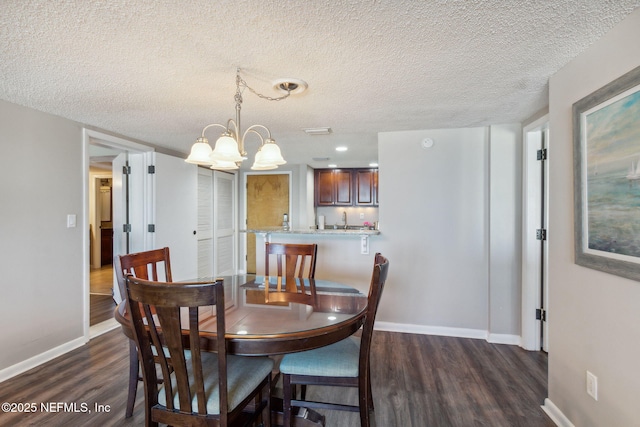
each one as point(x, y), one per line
point(176, 206)
point(224, 220)
point(129, 206)
point(205, 222)
point(534, 244)
point(119, 187)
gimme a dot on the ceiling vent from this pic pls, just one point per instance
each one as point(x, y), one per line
point(317, 131)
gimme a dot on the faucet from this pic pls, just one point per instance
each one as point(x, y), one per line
point(344, 219)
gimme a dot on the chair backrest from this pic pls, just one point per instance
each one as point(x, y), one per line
point(166, 331)
point(144, 265)
point(301, 291)
point(299, 259)
point(378, 280)
point(296, 264)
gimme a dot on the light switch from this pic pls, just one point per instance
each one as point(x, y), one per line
point(71, 221)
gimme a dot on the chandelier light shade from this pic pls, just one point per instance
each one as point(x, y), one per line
point(268, 157)
point(223, 165)
point(226, 150)
point(229, 151)
point(200, 152)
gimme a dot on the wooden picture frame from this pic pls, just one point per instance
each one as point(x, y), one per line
point(606, 164)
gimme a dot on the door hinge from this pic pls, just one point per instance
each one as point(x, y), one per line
point(126, 228)
point(541, 314)
point(151, 169)
point(151, 228)
point(126, 170)
point(542, 154)
point(541, 234)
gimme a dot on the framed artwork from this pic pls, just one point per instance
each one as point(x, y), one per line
point(606, 164)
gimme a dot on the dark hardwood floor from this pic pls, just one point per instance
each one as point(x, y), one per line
point(101, 302)
point(418, 381)
point(101, 308)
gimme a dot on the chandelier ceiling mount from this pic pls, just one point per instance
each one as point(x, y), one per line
point(229, 151)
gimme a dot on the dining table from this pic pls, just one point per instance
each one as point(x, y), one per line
point(260, 320)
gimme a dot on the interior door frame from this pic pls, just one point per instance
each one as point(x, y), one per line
point(535, 214)
point(91, 137)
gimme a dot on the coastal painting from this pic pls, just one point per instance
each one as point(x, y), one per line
point(613, 177)
point(607, 156)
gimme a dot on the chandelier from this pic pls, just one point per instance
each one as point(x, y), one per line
point(229, 151)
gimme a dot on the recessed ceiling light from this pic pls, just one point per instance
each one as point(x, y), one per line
point(318, 131)
point(341, 148)
point(373, 164)
point(332, 166)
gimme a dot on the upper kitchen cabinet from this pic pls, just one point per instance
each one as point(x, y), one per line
point(333, 187)
point(366, 187)
point(346, 187)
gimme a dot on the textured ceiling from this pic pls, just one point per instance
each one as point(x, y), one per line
point(159, 71)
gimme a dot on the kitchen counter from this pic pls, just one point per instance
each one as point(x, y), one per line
point(326, 231)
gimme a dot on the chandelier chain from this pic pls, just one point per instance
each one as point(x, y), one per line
point(268, 98)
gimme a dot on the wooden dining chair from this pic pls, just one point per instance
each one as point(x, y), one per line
point(345, 363)
point(151, 265)
point(200, 387)
point(300, 291)
point(290, 263)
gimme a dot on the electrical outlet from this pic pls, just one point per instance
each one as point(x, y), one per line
point(361, 215)
point(364, 245)
point(592, 385)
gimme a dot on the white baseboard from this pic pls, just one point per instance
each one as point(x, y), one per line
point(556, 414)
point(448, 332)
point(48, 355)
point(504, 339)
point(41, 358)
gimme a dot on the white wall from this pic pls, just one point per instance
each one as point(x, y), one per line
point(41, 181)
point(451, 273)
point(505, 230)
point(593, 316)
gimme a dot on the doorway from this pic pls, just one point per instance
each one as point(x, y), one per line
point(267, 203)
point(100, 239)
point(103, 221)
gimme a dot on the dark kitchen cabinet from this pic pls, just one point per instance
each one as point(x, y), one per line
point(366, 187)
point(346, 187)
point(333, 187)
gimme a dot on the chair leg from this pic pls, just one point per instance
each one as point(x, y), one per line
point(370, 394)
point(266, 413)
point(365, 400)
point(286, 401)
point(133, 378)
